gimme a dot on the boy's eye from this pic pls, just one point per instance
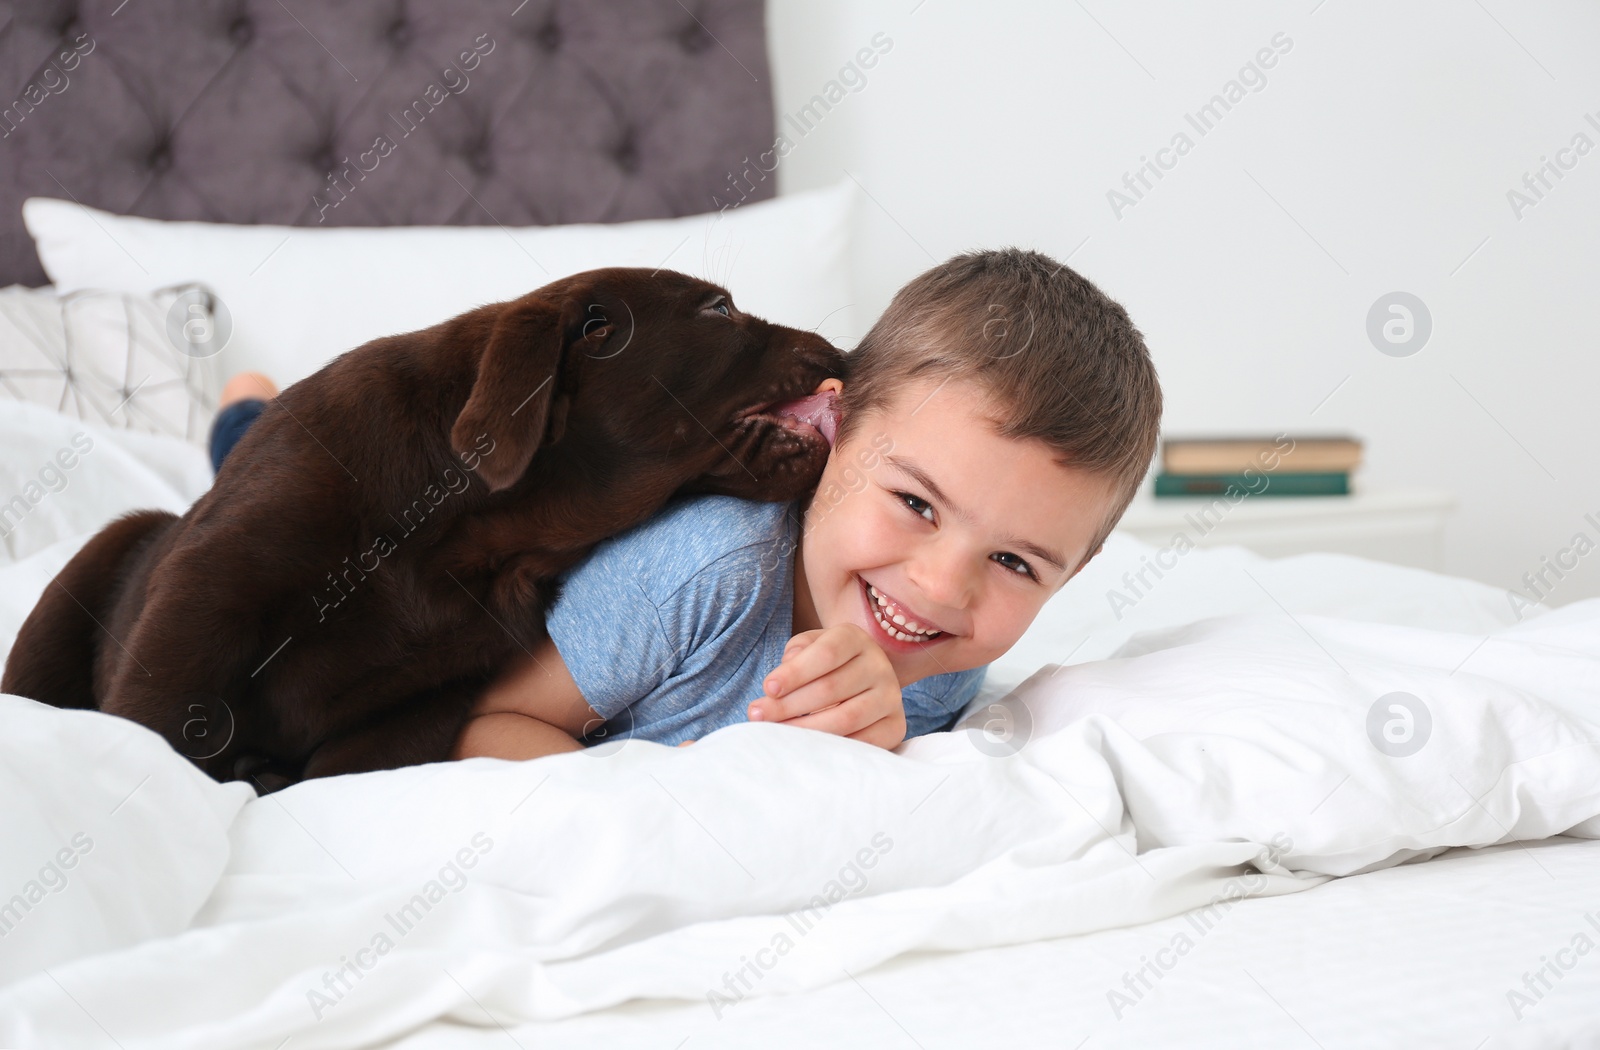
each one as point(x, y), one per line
point(1014, 563)
point(916, 504)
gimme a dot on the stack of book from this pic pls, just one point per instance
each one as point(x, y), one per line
point(1270, 466)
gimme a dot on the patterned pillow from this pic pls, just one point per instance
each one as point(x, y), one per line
point(136, 362)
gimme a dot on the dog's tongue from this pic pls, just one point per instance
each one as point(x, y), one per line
point(820, 410)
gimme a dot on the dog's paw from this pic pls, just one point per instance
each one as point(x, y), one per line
point(266, 774)
point(521, 592)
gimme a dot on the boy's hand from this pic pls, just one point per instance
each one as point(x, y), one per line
point(839, 681)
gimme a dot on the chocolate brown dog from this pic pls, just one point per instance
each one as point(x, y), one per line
point(389, 532)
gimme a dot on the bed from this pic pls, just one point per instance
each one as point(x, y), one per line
point(1309, 801)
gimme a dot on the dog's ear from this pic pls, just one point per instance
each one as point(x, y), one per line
point(518, 401)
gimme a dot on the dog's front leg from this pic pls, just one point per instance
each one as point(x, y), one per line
point(422, 729)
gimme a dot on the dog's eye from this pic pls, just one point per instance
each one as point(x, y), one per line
point(721, 307)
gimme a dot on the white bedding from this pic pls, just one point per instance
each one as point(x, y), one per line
point(1422, 955)
point(766, 859)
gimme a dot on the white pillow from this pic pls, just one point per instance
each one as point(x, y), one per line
point(299, 296)
point(126, 361)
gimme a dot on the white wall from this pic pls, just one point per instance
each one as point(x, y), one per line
point(1390, 132)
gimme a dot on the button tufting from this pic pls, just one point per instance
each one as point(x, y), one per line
point(323, 160)
point(694, 38)
point(399, 33)
point(69, 24)
point(549, 36)
point(241, 31)
point(480, 161)
point(160, 158)
point(626, 154)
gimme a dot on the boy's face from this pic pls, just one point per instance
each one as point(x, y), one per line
point(926, 513)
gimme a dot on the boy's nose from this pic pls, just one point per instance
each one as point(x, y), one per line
point(943, 578)
point(829, 384)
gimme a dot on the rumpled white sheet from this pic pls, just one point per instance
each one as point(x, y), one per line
point(1148, 786)
point(52, 490)
point(766, 858)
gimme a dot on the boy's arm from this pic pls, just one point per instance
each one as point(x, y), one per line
point(534, 708)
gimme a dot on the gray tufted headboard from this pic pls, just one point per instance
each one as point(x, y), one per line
point(458, 112)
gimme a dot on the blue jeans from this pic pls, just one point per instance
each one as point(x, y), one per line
point(229, 427)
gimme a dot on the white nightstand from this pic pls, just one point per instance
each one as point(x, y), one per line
point(1403, 526)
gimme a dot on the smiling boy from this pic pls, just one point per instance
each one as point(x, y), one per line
point(996, 423)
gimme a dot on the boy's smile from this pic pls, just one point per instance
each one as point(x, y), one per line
point(937, 536)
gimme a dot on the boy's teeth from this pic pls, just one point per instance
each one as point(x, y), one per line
point(914, 632)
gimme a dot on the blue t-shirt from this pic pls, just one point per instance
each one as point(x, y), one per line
point(670, 628)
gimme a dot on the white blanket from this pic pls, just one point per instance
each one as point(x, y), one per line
point(1250, 755)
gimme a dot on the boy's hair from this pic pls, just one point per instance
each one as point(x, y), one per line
point(1059, 360)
